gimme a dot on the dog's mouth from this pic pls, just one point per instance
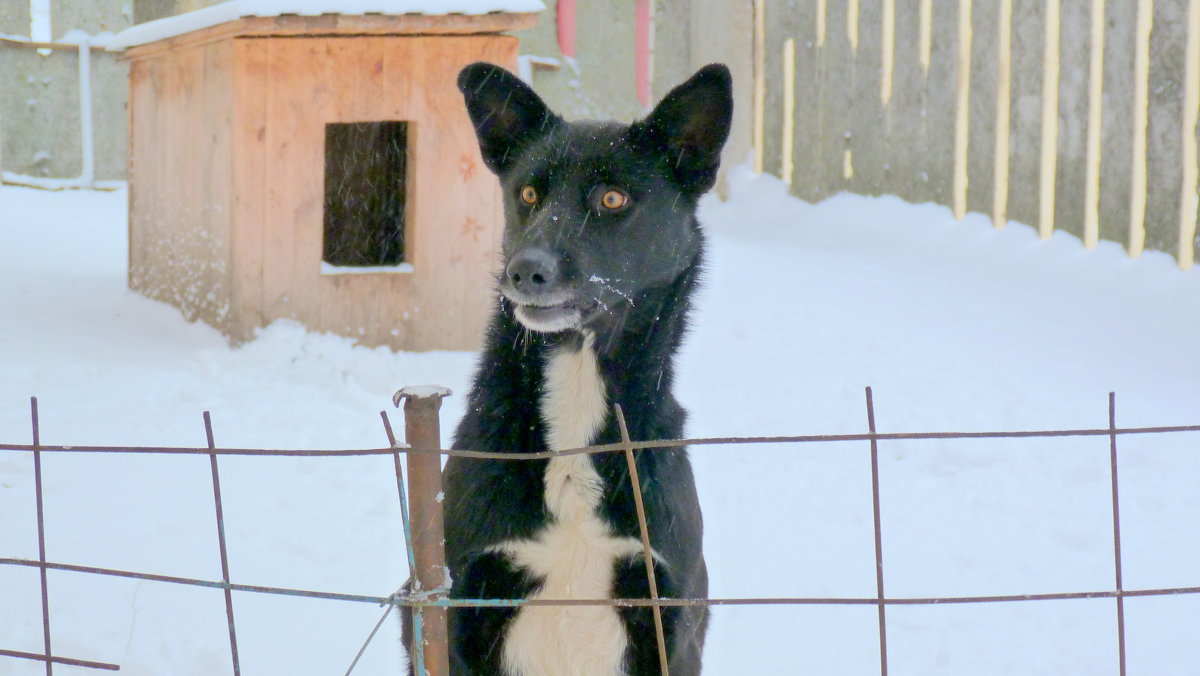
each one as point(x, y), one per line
point(550, 318)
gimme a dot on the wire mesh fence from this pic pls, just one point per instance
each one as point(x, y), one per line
point(420, 503)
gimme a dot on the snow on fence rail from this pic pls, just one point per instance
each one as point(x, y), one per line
point(421, 510)
point(1078, 115)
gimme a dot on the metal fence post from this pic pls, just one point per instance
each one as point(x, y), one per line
point(423, 434)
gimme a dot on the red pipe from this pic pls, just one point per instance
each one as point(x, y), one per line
point(565, 16)
point(642, 56)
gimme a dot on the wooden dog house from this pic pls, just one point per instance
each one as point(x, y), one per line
point(316, 168)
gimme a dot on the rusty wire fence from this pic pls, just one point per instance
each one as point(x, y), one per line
point(421, 511)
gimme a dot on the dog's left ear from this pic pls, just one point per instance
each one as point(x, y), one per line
point(691, 123)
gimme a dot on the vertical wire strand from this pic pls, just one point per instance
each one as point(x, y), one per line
point(41, 530)
point(883, 663)
point(647, 551)
point(216, 480)
point(1116, 511)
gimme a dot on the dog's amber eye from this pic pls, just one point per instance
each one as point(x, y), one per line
point(529, 195)
point(614, 199)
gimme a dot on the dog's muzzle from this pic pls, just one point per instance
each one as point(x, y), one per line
point(534, 282)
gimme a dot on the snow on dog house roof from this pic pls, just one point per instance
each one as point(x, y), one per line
point(169, 27)
point(292, 160)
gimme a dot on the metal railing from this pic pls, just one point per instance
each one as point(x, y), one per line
point(421, 510)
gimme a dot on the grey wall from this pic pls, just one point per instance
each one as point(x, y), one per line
point(39, 94)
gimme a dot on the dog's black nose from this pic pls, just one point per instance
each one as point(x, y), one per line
point(533, 270)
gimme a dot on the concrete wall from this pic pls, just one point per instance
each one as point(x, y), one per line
point(39, 104)
point(934, 140)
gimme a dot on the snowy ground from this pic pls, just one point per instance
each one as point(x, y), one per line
point(957, 326)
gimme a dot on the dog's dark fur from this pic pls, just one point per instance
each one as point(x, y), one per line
point(580, 275)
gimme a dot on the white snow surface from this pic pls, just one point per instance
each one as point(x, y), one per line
point(169, 27)
point(956, 325)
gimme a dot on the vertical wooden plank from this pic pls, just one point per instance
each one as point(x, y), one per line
point(280, 174)
point(1003, 109)
point(1141, 104)
point(787, 149)
point(962, 108)
point(1091, 206)
point(888, 49)
point(852, 23)
point(353, 70)
point(769, 85)
point(925, 45)
point(249, 148)
point(822, 12)
point(141, 116)
point(760, 86)
point(1189, 204)
point(1049, 138)
point(216, 187)
point(397, 77)
point(179, 209)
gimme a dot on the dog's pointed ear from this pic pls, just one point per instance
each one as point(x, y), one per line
point(507, 114)
point(692, 123)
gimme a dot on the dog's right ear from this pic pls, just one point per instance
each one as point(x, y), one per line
point(507, 114)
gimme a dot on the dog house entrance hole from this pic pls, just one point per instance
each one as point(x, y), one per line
point(365, 193)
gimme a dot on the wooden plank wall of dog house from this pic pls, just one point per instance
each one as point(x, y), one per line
point(179, 180)
point(371, 305)
point(248, 130)
point(458, 211)
point(454, 216)
point(299, 98)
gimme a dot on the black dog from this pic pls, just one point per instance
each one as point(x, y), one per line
point(601, 253)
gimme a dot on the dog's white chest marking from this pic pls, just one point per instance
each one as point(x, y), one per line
point(575, 554)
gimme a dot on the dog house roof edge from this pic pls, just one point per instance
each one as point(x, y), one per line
point(169, 27)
